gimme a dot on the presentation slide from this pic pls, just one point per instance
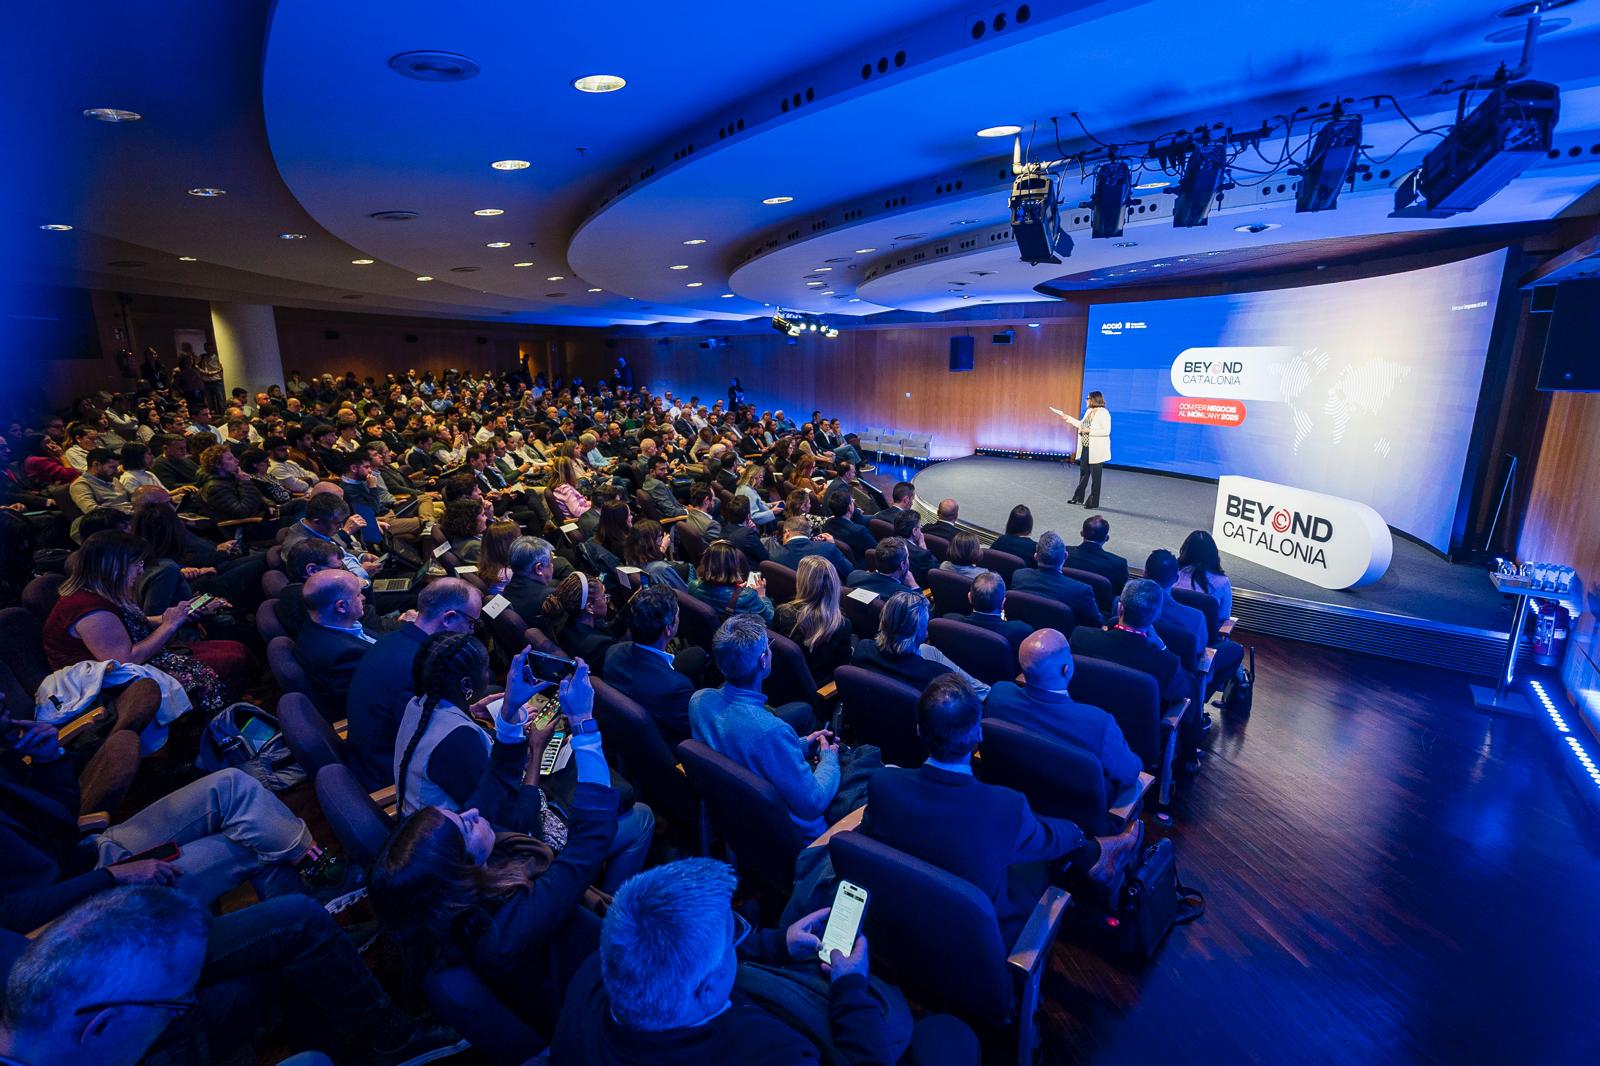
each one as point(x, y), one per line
point(1360, 389)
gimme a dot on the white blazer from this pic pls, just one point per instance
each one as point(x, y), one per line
point(1094, 428)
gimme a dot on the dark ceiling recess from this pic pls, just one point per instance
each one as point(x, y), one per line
point(330, 334)
point(429, 65)
point(481, 340)
point(411, 338)
point(393, 216)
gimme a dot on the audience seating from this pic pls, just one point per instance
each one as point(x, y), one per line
point(267, 623)
point(938, 547)
point(790, 680)
point(1040, 612)
point(40, 594)
point(984, 654)
point(949, 591)
point(291, 676)
point(1181, 642)
point(751, 819)
point(691, 545)
point(1207, 605)
point(697, 620)
point(1003, 563)
point(355, 817)
point(1060, 780)
point(646, 761)
point(880, 528)
point(275, 553)
point(879, 710)
point(273, 582)
point(936, 936)
point(863, 617)
point(1134, 700)
point(780, 581)
point(22, 649)
point(1104, 597)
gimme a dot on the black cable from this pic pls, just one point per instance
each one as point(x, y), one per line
point(1403, 146)
point(1086, 132)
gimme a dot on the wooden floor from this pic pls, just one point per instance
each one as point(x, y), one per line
point(1390, 878)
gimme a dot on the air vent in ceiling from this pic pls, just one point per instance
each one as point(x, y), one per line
point(462, 270)
point(393, 216)
point(428, 65)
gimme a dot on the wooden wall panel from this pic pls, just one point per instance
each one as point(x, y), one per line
point(1562, 523)
point(375, 345)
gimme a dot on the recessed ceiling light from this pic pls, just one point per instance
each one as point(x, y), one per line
point(999, 131)
point(432, 65)
point(823, 270)
point(1153, 185)
point(911, 236)
point(522, 264)
point(187, 259)
point(697, 240)
point(291, 236)
point(865, 251)
point(815, 284)
point(498, 244)
point(598, 83)
point(1255, 227)
point(825, 292)
point(511, 164)
point(488, 212)
point(853, 300)
point(111, 114)
point(679, 266)
point(965, 222)
point(597, 290)
point(556, 277)
point(727, 296)
point(362, 262)
point(694, 284)
point(56, 227)
point(1126, 244)
point(1033, 325)
point(425, 277)
point(778, 200)
point(206, 190)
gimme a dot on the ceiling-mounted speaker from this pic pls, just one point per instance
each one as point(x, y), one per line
point(1542, 300)
point(960, 354)
point(1569, 364)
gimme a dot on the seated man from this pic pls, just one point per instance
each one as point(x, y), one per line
point(1092, 556)
point(1162, 568)
point(987, 596)
point(797, 543)
point(949, 511)
point(283, 469)
point(739, 530)
point(299, 563)
point(227, 494)
point(900, 650)
point(332, 642)
point(643, 670)
point(662, 986)
point(328, 518)
point(842, 524)
point(908, 527)
point(1044, 706)
point(659, 489)
point(893, 573)
point(98, 485)
point(736, 722)
point(1046, 579)
point(981, 833)
point(902, 497)
point(532, 563)
point(702, 502)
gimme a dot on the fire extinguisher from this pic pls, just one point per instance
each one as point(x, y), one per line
point(1550, 633)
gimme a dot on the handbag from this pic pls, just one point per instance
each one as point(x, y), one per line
point(1153, 900)
point(1239, 690)
point(243, 735)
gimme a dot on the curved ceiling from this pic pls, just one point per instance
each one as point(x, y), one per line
point(864, 114)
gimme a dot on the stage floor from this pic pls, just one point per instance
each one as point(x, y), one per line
point(1149, 511)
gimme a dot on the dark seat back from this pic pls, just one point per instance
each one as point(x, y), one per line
point(880, 528)
point(308, 734)
point(749, 815)
point(1206, 604)
point(863, 617)
point(1103, 593)
point(697, 620)
point(1003, 563)
point(357, 821)
point(962, 969)
point(275, 553)
point(1130, 696)
point(273, 582)
point(649, 764)
point(267, 623)
point(986, 656)
point(691, 545)
point(1060, 780)
point(460, 999)
point(1040, 612)
point(790, 680)
point(781, 581)
point(882, 711)
point(291, 676)
point(938, 546)
point(40, 594)
point(22, 648)
point(949, 591)
point(1180, 641)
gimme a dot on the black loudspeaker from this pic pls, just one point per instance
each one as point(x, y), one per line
point(1542, 299)
point(960, 354)
point(1572, 344)
point(1008, 336)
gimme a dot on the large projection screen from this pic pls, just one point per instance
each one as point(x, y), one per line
point(1361, 389)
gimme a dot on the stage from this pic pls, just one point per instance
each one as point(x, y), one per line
point(1424, 609)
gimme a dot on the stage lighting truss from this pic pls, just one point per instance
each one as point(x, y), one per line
point(1510, 128)
point(795, 323)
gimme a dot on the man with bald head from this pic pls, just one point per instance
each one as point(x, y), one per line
point(332, 643)
point(1044, 706)
point(945, 527)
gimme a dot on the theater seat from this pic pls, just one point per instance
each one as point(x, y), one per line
point(985, 655)
point(1061, 780)
point(1003, 563)
point(781, 581)
point(1103, 593)
point(1040, 612)
point(646, 760)
point(790, 680)
point(290, 675)
point(267, 623)
point(1134, 700)
point(1207, 605)
point(879, 710)
point(697, 620)
point(308, 733)
point(40, 594)
point(357, 820)
point(949, 591)
point(751, 818)
point(938, 547)
point(22, 649)
point(863, 617)
point(273, 582)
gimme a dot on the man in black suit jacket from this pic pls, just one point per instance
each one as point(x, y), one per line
point(1092, 556)
point(902, 497)
point(949, 511)
point(844, 528)
point(908, 527)
point(1047, 580)
point(984, 834)
point(987, 595)
point(738, 530)
point(798, 543)
point(893, 573)
point(332, 642)
point(532, 563)
point(642, 669)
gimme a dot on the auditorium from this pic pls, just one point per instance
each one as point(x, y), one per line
point(935, 533)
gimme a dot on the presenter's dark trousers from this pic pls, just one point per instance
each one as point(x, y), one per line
point(1088, 472)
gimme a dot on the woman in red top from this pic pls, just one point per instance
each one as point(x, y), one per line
point(41, 462)
point(97, 618)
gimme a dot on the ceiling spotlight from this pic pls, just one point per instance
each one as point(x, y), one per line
point(727, 296)
point(208, 191)
point(697, 240)
point(432, 65)
point(1330, 165)
point(1255, 227)
point(1033, 325)
point(694, 284)
point(825, 292)
point(815, 284)
point(1035, 207)
point(291, 236)
point(362, 262)
point(56, 227)
point(823, 270)
point(498, 244)
point(597, 290)
point(778, 200)
point(556, 277)
point(1126, 244)
point(511, 164)
point(522, 264)
point(488, 212)
point(1108, 203)
point(111, 114)
point(598, 83)
point(187, 259)
point(865, 251)
point(425, 277)
point(999, 131)
point(1205, 175)
point(1145, 186)
point(679, 266)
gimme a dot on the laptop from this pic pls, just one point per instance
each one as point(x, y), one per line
point(401, 584)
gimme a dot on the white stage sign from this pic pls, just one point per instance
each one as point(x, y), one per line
point(1328, 541)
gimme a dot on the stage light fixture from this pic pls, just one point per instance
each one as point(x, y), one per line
point(56, 227)
point(1512, 129)
point(1108, 203)
point(1330, 165)
point(1205, 174)
point(1036, 218)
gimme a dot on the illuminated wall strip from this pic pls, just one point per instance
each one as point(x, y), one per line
point(1575, 747)
point(1550, 708)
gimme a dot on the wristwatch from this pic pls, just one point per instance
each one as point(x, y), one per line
point(586, 726)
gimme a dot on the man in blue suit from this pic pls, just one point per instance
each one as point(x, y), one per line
point(381, 687)
point(799, 543)
point(893, 573)
point(1043, 706)
point(986, 595)
point(332, 643)
point(1046, 579)
point(643, 670)
point(842, 524)
point(984, 834)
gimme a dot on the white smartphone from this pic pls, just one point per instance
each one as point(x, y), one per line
point(752, 578)
point(844, 920)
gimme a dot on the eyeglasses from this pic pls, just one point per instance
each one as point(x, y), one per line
point(176, 1006)
point(741, 929)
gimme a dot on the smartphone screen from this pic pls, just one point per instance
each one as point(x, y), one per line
point(752, 577)
point(542, 667)
point(844, 921)
point(200, 601)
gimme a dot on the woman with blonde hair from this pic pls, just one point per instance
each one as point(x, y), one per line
point(813, 619)
point(565, 486)
point(752, 486)
point(494, 555)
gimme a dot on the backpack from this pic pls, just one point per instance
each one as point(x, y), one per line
point(245, 736)
point(1239, 690)
point(1153, 900)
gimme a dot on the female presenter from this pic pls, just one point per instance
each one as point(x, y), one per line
point(1094, 447)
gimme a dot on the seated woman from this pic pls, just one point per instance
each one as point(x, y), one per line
point(720, 582)
point(576, 611)
point(603, 552)
point(1018, 539)
point(462, 524)
point(964, 555)
point(800, 478)
point(1200, 569)
point(445, 759)
point(646, 548)
point(570, 500)
point(813, 619)
point(494, 557)
point(97, 618)
point(177, 564)
point(900, 651)
point(753, 487)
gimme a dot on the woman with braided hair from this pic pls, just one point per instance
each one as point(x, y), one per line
point(445, 759)
point(576, 611)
